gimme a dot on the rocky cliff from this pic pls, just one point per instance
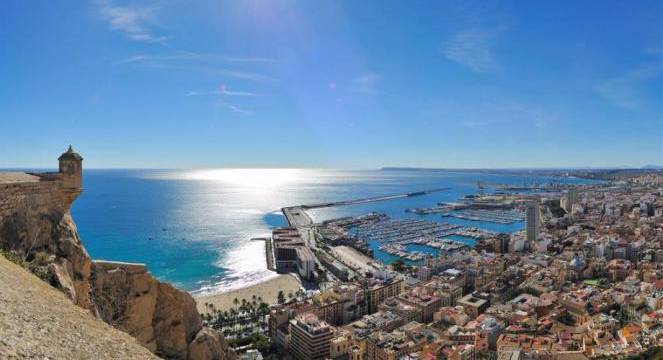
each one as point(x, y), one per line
point(37, 231)
point(39, 322)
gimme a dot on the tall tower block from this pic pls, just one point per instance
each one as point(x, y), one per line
point(71, 174)
point(532, 221)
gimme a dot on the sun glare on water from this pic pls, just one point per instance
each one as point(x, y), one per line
point(258, 178)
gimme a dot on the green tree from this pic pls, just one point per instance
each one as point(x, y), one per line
point(398, 265)
point(233, 314)
point(322, 276)
point(263, 310)
point(260, 342)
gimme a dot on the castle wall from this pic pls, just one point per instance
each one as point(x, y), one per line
point(27, 209)
point(15, 196)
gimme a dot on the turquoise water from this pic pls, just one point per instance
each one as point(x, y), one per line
point(387, 258)
point(425, 249)
point(193, 227)
point(464, 239)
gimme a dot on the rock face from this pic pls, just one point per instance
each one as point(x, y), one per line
point(37, 228)
point(207, 345)
point(161, 317)
point(39, 322)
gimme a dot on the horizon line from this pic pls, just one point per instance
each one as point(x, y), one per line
point(383, 168)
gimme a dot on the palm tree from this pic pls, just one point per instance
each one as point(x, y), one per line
point(233, 313)
point(263, 310)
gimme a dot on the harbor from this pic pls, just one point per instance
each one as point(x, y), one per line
point(409, 239)
point(432, 210)
point(386, 238)
point(494, 216)
point(419, 250)
point(404, 231)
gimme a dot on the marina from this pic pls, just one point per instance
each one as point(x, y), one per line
point(409, 239)
point(495, 216)
point(418, 250)
point(402, 230)
point(431, 210)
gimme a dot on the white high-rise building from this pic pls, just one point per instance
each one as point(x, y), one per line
point(568, 200)
point(532, 218)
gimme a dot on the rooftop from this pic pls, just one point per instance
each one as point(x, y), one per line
point(311, 324)
point(471, 300)
point(70, 154)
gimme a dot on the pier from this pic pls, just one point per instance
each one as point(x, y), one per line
point(432, 210)
point(296, 216)
point(372, 199)
point(269, 252)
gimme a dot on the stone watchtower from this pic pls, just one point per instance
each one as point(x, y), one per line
point(71, 174)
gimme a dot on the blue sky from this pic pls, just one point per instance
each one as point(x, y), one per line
point(349, 84)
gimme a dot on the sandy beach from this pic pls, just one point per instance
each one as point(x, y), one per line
point(268, 290)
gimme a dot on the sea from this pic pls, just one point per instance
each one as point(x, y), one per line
point(194, 228)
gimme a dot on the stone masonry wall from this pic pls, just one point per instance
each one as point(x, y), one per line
point(30, 198)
